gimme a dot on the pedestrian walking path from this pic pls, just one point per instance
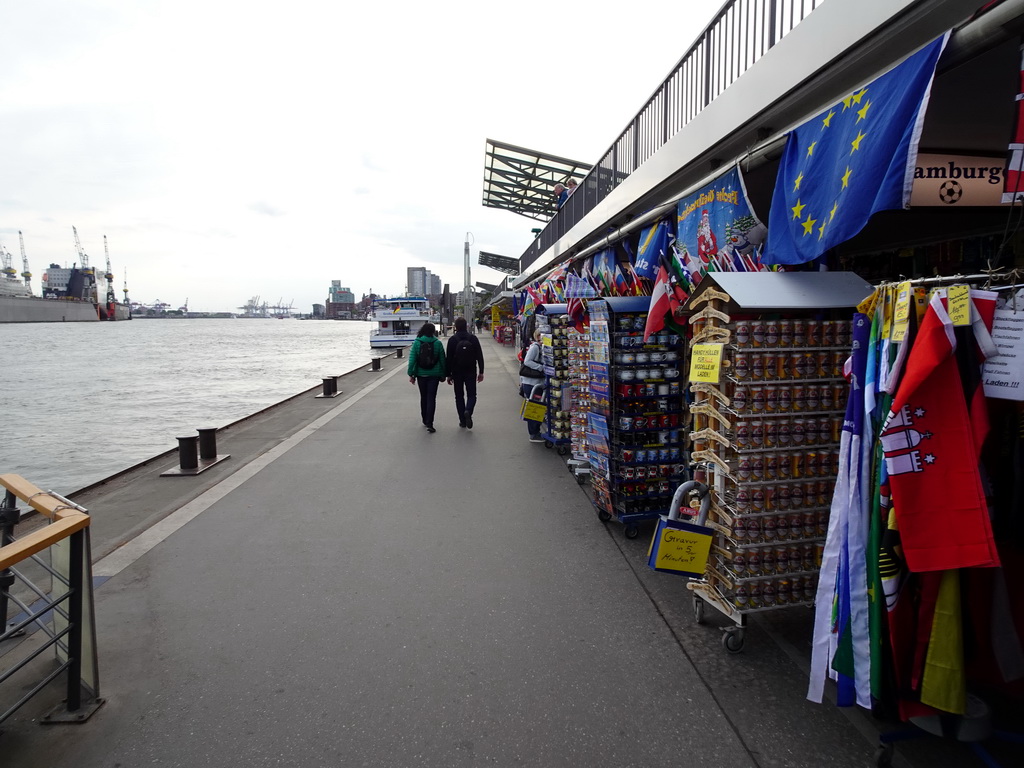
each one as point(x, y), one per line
point(369, 594)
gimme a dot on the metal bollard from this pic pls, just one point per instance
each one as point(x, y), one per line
point(400, 353)
point(192, 461)
point(330, 387)
point(208, 443)
point(188, 454)
point(375, 364)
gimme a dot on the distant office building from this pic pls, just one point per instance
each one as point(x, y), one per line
point(318, 311)
point(416, 281)
point(435, 285)
point(340, 295)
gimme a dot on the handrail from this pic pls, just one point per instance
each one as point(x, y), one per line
point(733, 41)
point(69, 527)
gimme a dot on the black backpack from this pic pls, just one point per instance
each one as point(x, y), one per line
point(463, 356)
point(426, 358)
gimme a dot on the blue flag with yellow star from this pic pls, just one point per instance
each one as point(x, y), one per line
point(852, 160)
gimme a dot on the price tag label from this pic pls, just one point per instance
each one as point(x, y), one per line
point(901, 315)
point(706, 362)
point(959, 298)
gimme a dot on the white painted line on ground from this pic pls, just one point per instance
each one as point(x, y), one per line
point(132, 550)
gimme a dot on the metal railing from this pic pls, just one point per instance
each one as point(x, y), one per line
point(64, 613)
point(740, 33)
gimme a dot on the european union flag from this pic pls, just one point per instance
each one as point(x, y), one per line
point(852, 160)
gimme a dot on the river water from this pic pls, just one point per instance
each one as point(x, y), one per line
point(83, 401)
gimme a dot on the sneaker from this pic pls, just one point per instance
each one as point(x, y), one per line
point(537, 439)
point(462, 424)
point(430, 429)
point(469, 421)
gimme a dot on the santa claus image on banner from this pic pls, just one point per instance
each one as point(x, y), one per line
point(707, 245)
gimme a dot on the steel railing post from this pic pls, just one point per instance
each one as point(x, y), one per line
point(8, 519)
point(75, 602)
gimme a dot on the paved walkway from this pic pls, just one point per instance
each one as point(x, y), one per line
point(362, 593)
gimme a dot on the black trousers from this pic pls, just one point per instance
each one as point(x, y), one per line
point(465, 393)
point(428, 397)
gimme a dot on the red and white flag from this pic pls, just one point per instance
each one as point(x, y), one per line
point(931, 455)
point(661, 303)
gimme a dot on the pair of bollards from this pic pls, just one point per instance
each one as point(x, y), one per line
point(197, 453)
point(330, 387)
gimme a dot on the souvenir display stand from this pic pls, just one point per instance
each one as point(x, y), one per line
point(767, 401)
point(553, 323)
point(579, 377)
point(635, 422)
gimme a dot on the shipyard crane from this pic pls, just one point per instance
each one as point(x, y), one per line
point(26, 273)
point(109, 275)
point(8, 271)
point(125, 289)
point(83, 257)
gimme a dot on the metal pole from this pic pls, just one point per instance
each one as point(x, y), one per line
point(75, 601)
point(9, 516)
point(467, 298)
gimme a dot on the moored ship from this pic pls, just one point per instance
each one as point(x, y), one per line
point(399, 320)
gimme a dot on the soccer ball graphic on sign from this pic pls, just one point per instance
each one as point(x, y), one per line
point(950, 192)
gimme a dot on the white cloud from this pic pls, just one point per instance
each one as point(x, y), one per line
point(230, 149)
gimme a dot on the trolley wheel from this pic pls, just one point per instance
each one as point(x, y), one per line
point(562, 450)
point(603, 515)
point(631, 531)
point(581, 479)
point(698, 610)
point(548, 444)
point(883, 755)
point(732, 640)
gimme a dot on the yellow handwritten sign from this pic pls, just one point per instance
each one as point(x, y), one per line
point(706, 362)
point(867, 307)
point(680, 550)
point(959, 297)
point(901, 315)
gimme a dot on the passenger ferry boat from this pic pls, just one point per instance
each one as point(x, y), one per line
point(399, 320)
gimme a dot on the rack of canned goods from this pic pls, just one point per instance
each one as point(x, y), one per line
point(553, 323)
point(765, 436)
point(637, 415)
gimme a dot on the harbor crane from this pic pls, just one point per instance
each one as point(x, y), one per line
point(83, 257)
point(125, 289)
point(111, 293)
point(8, 271)
point(26, 273)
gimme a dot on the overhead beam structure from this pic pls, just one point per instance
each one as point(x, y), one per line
point(523, 180)
point(504, 264)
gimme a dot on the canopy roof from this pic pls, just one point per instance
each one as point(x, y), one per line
point(523, 180)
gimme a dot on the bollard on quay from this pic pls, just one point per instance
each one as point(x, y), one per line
point(330, 387)
point(399, 354)
point(375, 364)
point(197, 453)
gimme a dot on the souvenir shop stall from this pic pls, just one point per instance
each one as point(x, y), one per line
point(766, 392)
point(579, 406)
point(635, 423)
point(553, 323)
point(919, 611)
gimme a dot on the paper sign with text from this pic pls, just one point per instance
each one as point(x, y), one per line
point(680, 548)
point(1003, 374)
point(706, 362)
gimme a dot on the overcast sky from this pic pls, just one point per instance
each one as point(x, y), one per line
point(230, 149)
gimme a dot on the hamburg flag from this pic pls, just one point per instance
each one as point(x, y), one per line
point(661, 303)
point(851, 161)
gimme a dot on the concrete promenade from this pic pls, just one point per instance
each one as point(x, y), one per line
point(349, 590)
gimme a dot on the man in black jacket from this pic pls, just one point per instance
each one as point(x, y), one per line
point(465, 369)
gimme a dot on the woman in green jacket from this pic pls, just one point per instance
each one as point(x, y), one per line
point(427, 368)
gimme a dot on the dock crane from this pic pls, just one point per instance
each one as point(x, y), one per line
point(8, 271)
point(26, 273)
point(83, 257)
point(125, 289)
point(111, 293)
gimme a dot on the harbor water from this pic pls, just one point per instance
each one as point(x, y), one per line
point(83, 401)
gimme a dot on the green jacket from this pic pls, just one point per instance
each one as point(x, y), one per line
point(439, 370)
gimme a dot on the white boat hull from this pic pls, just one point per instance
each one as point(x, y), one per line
point(384, 341)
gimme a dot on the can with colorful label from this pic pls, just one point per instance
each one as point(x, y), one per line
point(771, 333)
point(757, 332)
point(742, 334)
point(784, 427)
point(785, 333)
